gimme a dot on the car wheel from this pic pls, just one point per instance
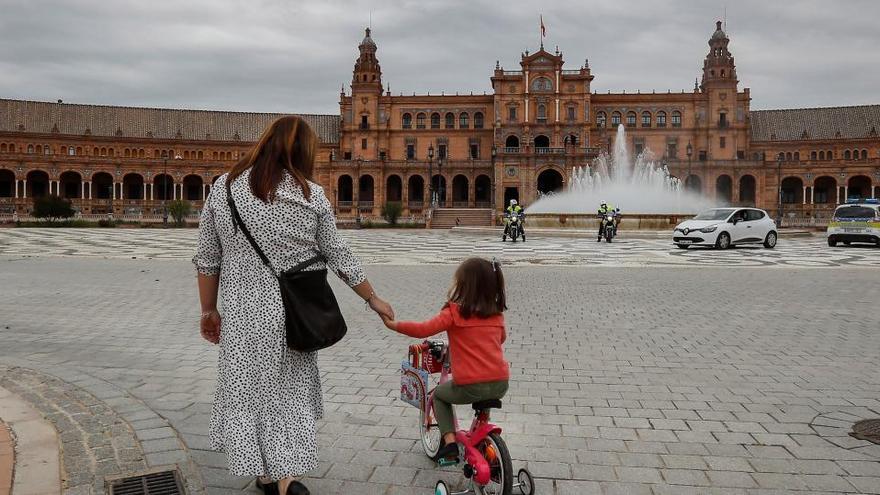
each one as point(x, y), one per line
point(682, 246)
point(723, 241)
point(832, 243)
point(770, 240)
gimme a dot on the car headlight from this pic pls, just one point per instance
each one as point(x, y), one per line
point(710, 229)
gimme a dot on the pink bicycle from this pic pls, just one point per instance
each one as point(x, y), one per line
point(486, 458)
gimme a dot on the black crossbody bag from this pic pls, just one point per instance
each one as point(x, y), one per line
point(312, 318)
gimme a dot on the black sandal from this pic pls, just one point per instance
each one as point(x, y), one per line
point(297, 488)
point(448, 454)
point(268, 488)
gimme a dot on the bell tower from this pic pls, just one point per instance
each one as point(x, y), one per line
point(367, 73)
point(366, 92)
point(718, 67)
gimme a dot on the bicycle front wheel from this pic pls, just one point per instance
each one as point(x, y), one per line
point(494, 450)
point(430, 434)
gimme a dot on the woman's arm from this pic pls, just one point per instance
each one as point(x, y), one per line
point(209, 322)
point(377, 304)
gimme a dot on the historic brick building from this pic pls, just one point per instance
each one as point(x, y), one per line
point(464, 151)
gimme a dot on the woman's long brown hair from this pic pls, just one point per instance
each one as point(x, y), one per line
point(287, 144)
point(478, 288)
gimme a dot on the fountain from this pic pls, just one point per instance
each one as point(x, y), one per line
point(648, 197)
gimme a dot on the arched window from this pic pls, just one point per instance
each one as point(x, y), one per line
point(435, 120)
point(463, 120)
point(781, 156)
point(630, 119)
point(201, 155)
point(846, 155)
point(821, 155)
point(615, 119)
point(478, 120)
point(646, 119)
point(676, 119)
point(813, 155)
point(420, 121)
point(30, 149)
point(40, 149)
point(601, 119)
point(542, 112)
point(450, 120)
point(407, 121)
point(829, 155)
point(797, 156)
point(864, 154)
point(3, 148)
point(661, 119)
point(788, 156)
point(71, 151)
point(96, 151)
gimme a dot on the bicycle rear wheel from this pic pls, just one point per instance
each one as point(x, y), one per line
point(496, 454)
point(430, 434)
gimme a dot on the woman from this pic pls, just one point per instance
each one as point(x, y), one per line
point(268, 396)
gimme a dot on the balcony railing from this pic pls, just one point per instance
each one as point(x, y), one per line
point(550, 151)
point(416, 205)
point(344, 204)
point(510, 149)
point(571, 72)
point(511, 73)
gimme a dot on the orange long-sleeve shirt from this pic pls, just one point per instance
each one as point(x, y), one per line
point(475, 344)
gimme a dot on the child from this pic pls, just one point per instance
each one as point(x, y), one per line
point(472, 318)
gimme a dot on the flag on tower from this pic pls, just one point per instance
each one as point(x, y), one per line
point(543, 29)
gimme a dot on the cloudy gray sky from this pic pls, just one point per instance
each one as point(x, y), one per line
point(293, 55)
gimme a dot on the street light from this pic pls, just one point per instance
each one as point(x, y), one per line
point(431, 174)
point(165, 188)
point(495, 178)
point(690, 152)
point(779, 186)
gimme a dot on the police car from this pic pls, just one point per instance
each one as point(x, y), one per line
point(856, 221)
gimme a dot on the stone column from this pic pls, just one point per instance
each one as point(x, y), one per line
point(805, 196)
point(204, 191)
point(16, 188)
point(24, 188)
point(152, 192)
point(144, 196)
point(90, 189)
point(813, 195)
point(114, 190)
point(82, 190)
point(845, 193)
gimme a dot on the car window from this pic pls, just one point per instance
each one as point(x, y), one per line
point(854, 212)
point(755, 215)
point(714, 214)
point(740, 214)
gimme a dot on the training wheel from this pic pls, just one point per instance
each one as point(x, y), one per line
point(525, 482)
point(441, 489)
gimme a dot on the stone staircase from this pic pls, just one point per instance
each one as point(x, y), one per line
point(446, 218)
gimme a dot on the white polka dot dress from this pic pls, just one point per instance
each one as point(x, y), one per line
point(268, 396)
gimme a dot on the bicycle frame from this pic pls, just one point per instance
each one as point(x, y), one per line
point(469, 439)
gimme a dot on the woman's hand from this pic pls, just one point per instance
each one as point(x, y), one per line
point(210, 326)
point(381, 307)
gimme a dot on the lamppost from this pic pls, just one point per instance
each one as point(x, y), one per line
point(779, 186)
point(441, 189)
point(165, 187)
point(495, 178)
point(431, 174)
point(690, 151)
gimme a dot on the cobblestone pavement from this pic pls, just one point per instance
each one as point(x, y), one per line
point(625, 380)
point(426, 246)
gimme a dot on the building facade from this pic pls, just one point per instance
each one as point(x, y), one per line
point(466, 151)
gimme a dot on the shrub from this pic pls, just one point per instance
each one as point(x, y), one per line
point(52, 208)
point(179, 209)
point(106, 223)
point(392, 211)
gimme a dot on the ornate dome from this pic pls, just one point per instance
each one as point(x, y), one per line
point(368, 41)
point(719, 34)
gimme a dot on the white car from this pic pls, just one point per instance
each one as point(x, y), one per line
point(725, 227)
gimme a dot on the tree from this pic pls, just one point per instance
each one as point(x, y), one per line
point(179, 209)
point(52, 208)
point(391, 212)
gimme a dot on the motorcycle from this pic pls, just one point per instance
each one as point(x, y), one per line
point(514, 227)
point(609, 228)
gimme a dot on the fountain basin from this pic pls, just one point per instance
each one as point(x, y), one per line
point(633, 221)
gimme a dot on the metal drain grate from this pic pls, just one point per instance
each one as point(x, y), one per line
point(158, 483)
point(868, 429)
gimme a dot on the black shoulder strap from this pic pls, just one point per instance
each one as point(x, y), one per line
point(238, 222)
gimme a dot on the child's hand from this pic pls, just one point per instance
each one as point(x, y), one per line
point(389, 322)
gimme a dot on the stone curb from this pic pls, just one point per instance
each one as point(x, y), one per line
point(36, 455)
point(116, 435)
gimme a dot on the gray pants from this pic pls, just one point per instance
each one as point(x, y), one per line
point(448, 393)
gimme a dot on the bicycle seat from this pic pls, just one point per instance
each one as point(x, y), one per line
point(486, 404)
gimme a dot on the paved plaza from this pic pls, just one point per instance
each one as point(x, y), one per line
point(637, 368)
